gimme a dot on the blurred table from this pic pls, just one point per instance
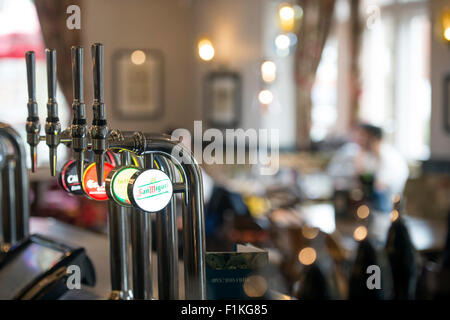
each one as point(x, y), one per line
point(425, 234)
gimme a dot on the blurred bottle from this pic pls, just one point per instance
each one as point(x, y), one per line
point(443, 276)
point(313, 284)
point(358, 287)
point(320, 277)
point(341, 203)
point(402, 255)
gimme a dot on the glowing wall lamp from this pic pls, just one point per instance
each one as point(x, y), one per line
point(268, 71)
point(289, 16)
point(443, 24)
point(205, 49)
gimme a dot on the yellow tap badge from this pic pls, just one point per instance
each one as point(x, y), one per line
point(119, 184)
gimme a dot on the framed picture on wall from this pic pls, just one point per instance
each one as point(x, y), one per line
point(446, 103)
point(138, 84)
point(223, 99)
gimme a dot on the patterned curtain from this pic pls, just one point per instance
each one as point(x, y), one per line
point(52, 18)
point(313, 32)
point(355, 47)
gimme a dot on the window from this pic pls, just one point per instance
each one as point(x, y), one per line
point(396, 92)
point(20, 32)
point(330, 90)
point(324, 92)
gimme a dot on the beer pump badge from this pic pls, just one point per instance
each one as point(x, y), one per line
point(90, 183)
point(119, 184)
point(151, 190)
point(68, 178)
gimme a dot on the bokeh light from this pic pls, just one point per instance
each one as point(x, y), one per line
point(268, 71)
point(307, 256)
point(282, 42)
point(363, 211)
point(265, 97)
point(255, 286)
point(310, 232)
point(138, 57)
point(206, 50)
point(360, 233)
point(394, 215)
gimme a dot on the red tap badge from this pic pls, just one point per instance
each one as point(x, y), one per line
point(90, 183)
point(68, 178)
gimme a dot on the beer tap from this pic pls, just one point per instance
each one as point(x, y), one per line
point(52, 125)
point(33, 126)
point(99, 130)
point(79, 128)
point(168, 153)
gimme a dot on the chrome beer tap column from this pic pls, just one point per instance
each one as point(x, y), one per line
point(141, 244)
point(9, 204)
point(17, 187)
point(167, 242)
point(79, 128)
point(192, 204)
point(193, 216)
point(151, 147)
point(52, 125)
point(99, 130)
point(33, 126)
point(119, 245)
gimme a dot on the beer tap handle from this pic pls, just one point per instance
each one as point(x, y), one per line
point(99, 126)
point(52, 125)
point(33, 126)
point(79, 128)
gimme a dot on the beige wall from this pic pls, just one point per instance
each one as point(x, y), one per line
point(156, 24)
point(235, 29)
point(174, 27)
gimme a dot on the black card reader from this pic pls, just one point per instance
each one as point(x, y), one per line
point(39, 268)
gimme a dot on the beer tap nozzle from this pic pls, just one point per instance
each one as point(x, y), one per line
point(52, 125)
point(33, 126)
point(79, 127)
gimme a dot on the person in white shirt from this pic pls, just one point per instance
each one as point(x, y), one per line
point(370, 158)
